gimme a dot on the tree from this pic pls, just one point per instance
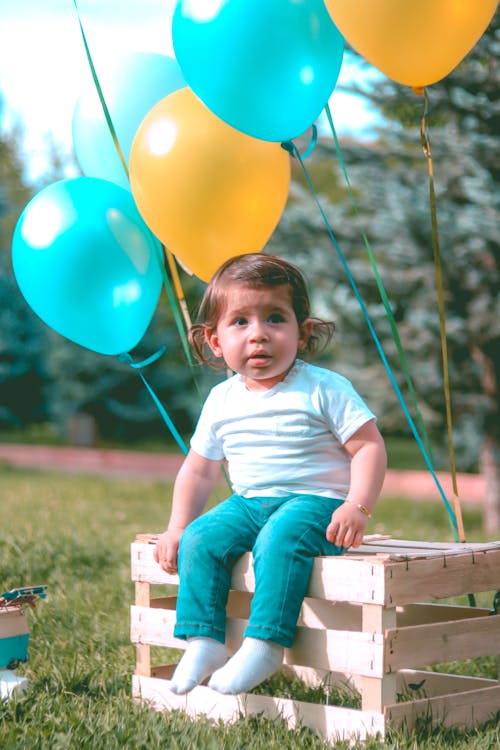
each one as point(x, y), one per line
point(21, 334)
point(389, 177)
point(113, 394)
point(464, 123)
point(45, 377)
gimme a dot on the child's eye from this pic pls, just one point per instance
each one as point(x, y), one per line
point(276, 318)
point(239, 321)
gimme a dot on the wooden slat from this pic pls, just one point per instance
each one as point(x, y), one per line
point(13, 622)
point(143, 659)
point(407, 546)
point(439, 577)
point(438, 683)
point(338, 650)
point(468, 709)
point(386, 543)
point(320, 613)
point(423, 645)
point(331, 722)
point(142, 593)
point(333, 578)
point(419, 614)
point(377, 690)
point(375, 579)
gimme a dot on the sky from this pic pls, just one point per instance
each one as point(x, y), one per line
point(44, 68)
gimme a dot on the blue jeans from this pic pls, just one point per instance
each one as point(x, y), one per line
point(284, 535)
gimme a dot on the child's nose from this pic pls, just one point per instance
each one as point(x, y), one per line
point(258, 331)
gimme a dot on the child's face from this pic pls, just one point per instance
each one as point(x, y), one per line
point(257, 334)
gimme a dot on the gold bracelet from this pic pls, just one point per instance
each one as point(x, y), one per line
point(362, 508)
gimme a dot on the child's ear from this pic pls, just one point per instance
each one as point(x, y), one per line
point(213, 342)
point(305, 331)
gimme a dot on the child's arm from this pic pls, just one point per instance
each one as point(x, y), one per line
point(368, 465)
point(192, 488)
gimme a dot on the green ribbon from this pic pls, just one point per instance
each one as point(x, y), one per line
point(101, 95)
point(127, 359)
point(426, 148)
point(382, 292)
point(168, 287)
point(290, 146)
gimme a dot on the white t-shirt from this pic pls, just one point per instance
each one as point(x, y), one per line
point(286, 440)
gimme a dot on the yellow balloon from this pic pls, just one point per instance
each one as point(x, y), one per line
point(206, 190)
point(414, 42)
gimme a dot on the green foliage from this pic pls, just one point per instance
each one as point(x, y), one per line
point(113, 393)
point(21, 335)
point(45, 377)
point(390, 182)
point(73, 534)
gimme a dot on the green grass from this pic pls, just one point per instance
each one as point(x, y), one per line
point(73, 533)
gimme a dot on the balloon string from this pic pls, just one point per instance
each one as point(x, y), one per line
point(163, 412)
point(180, 327)
point(145, 362)
point(173, 269)
point(426, 147)
point(178, 287)
point(382, 292)
point(101, 96)
point(290, 146)
point(312, 142)
point(173, 304)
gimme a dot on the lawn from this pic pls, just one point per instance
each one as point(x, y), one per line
point(73, 533)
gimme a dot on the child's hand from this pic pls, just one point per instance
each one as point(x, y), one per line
point(347, 526)
point(167, 549)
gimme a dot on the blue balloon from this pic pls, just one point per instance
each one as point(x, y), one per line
point(130, 88)
point(266, 67)
point(87, 264)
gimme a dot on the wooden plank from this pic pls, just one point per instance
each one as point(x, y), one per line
point(377, 690)
point(432, 684)
point(144, 567)
point(375, 579)
point(315, 613)
point(142, 593)
point(468, 709)
point(436, 578)
point(320, 613)
point(423, 645)
point(411, 545)
point(338, 650)
point(387, 542)
point(13, 622)
point(331, 722)
point(333, 578)
point(143, 659)
point(419, 614)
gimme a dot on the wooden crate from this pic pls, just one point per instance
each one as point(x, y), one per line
point(365, 621)
point(14, 636)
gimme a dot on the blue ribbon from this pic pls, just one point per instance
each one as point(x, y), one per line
point(164, 415)
point(290, 146)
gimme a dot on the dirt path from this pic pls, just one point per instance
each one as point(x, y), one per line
point(119, 463)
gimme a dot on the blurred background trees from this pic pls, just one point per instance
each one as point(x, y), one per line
point(45, 378)
point(389, 177)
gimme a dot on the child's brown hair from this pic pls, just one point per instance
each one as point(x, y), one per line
point(255, 270)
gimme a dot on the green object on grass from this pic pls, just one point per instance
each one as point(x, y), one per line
point(13, 650)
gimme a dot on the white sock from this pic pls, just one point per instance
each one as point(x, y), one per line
point(201, 658)
point(254, 662)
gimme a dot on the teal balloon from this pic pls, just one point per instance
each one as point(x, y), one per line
point(131, 88)
point(265, 67)
point(87, 264)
